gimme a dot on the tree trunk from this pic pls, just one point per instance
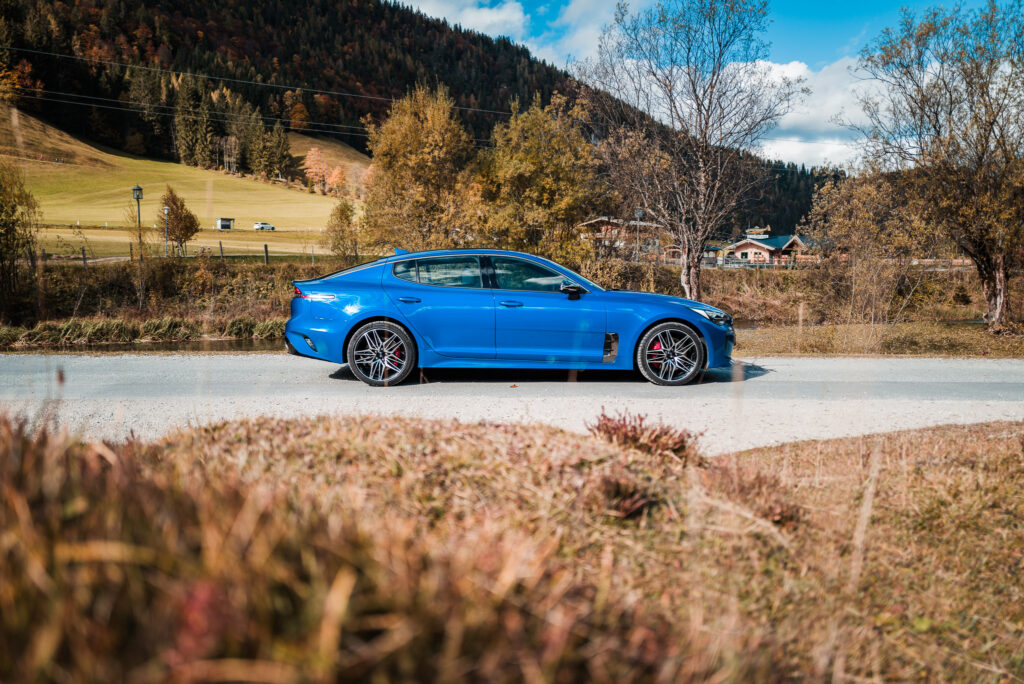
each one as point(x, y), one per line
point(689, 276)
point(993, 284)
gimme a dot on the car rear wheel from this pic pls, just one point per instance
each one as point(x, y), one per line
point(381, 353)
point(670, 354)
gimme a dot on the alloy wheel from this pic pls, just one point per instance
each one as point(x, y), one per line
point(380, 355)
point(670, 354)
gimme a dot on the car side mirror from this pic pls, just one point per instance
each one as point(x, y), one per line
point(573, 290)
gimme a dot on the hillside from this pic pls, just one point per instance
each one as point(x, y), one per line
point(360, 53)
point(91, 186)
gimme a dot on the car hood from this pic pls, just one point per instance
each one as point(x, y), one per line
point(653, 299)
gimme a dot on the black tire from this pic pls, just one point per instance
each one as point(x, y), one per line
point(376, 349)
point(670, 354)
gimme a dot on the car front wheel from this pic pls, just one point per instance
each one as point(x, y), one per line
point(670, 354)
point(381, 353)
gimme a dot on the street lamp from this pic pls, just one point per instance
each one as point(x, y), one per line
point(137, 196)
point(166, 211)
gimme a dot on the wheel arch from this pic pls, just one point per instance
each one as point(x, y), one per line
point(669, 319)
point(370, 319)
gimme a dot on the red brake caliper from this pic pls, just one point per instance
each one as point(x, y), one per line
point(655, 347)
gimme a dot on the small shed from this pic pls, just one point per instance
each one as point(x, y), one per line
point(225, 224)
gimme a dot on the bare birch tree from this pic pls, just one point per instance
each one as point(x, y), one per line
point(949, 115)
point(681, 97)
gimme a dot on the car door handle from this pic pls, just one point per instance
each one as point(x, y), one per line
point(511, 303)
point(409, 300)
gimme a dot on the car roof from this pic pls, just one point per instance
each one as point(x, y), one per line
point(456, 252)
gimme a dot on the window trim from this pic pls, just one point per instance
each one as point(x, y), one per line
point(417, 260)
point(494, 276)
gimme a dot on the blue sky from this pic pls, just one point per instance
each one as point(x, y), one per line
point(817, 41)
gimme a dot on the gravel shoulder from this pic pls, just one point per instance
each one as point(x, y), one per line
point(765, 401)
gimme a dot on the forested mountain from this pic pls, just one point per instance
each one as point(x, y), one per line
point(370, 49)
point(63, 61)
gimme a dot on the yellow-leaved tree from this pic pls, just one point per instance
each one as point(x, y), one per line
point(539, 181)
point(869, 235)
point(417, 185)
point(341, 234)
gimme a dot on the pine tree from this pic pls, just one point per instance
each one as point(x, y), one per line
point(185, 129)
point(205, 139)
point(279, 152)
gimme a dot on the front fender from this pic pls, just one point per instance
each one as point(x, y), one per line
point(632, 322)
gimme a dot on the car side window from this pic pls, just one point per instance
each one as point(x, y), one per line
point(453, 271)
point(405, 270)
point(519, 274)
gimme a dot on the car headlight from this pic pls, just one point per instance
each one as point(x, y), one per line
point(716, 317)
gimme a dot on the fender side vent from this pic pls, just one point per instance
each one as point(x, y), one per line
point(611, 347)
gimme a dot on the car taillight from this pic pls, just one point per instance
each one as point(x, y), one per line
point(298, 294)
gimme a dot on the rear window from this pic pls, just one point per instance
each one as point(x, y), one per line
point(406, 270)
point(451, 271)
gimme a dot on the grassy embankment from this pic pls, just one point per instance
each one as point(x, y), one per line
point(390, 549)
point(92, 188)
point(919, 338)
point(202, 298)
point(785, 312)
point(181, 300)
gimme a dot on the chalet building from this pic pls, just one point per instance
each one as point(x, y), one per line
point(758, 247)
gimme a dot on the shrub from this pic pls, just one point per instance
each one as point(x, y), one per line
point(269, 330)
point(113, 331)
point(242, 327)
point(43, 334)
point(9, 336)
point(169, 329)
point(634, 432)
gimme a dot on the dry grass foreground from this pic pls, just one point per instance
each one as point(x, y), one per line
point(387, 549)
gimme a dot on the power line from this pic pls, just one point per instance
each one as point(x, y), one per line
point(227, 79)
point(214, 116)
point(178, 113)
point(227, 115)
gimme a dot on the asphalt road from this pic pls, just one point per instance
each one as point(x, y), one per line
point(765, 401)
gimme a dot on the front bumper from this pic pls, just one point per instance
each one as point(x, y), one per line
point(720, 342)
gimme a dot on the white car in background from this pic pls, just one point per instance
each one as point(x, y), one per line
point(261, 225)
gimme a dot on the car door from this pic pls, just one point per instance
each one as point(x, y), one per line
point(445, 302)
point(536, 321)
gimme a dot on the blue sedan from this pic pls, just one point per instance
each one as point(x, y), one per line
point(485, 308)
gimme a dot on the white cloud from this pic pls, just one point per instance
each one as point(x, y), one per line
point(506, 18)
point(809, 134)
point(813, 133)
point(580, 23)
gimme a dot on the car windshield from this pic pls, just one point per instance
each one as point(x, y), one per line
point(586, 282)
